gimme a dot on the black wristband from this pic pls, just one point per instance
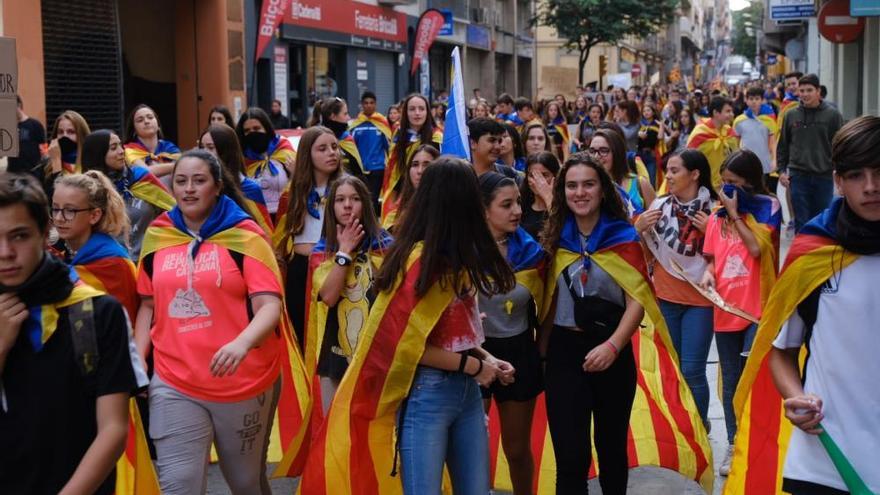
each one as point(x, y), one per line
point(479, 369)
point(463, 362)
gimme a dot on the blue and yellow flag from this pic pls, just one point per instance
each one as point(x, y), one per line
point(455, 134)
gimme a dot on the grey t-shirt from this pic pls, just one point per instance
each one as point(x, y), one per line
point(599, 284)
point(755, 136)
point(140, 213)
point(507, 315)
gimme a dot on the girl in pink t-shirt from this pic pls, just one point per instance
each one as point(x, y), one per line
point(734, 257)
point(210, 313)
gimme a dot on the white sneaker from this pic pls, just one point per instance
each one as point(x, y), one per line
point(724, 470)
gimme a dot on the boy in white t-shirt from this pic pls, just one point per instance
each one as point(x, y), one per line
point(838, 392)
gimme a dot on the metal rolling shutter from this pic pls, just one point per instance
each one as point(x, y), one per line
point(385, 79)
point(81, 52)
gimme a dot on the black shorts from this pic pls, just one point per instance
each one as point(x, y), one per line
point(522, 352)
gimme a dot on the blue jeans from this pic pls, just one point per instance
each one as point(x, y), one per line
point(733, 348)
point(650, 160)
point(810, 195)
point(691, 328)
point(443, 422)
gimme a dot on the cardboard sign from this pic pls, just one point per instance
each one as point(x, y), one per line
point(557, 81)
point(8, 105)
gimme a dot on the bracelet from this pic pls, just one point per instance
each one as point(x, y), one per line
point(479, 369)
point(613, 347)
point(463, 362)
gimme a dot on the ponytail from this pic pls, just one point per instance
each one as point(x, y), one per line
point(103, 196)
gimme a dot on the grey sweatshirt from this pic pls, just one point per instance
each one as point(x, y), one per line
point(805, 141)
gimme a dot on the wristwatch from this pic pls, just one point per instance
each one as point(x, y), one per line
point(342, 259)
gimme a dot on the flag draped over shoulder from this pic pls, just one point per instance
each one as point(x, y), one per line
point(104, 264)
point(715, 143)
point(562, 128)
point(166, 152)
point(763, 216)
point(255, 204)
point(353, 155)
point(394, 171)
point(230, 227)
point(763, 431)
point(353, 451)
point(455, 135)
point(766, 116)
point(135, 474)
point(277, 154)
point(377, 119)
point(665, 428)
point(140, 183)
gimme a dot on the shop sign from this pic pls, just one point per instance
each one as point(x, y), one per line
point(478, 36)
point(790, 10)
point(447, 28)
point(350, 17)
point(8, 104)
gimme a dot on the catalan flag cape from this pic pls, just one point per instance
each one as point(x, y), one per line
point(353, 451)
point(763, 431)
point(715, 143)
point(766, 116)
point(165, 152)
point(279, 151)
point(788, 103)
point(230, 227)
point(104, 264)
point(562, 128)
point(255, 205)
point(352, 154)
point(135, 474)
point(763, 216)
point(377, 119)
point(394, 171)
point(665, 428)
point(139, 182)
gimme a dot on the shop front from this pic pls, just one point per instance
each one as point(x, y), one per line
point(339, 48)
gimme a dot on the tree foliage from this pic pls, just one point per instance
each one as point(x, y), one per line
point(746, 23)
point(587, 23)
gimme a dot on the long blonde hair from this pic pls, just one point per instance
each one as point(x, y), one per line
point(102, 195)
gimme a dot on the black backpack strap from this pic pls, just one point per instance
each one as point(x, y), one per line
point(808, 310)
point(147, 262)
point(85, 340)
point(238, 258)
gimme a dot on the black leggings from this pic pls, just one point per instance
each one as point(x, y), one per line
point(573, 397)
point(295, 290)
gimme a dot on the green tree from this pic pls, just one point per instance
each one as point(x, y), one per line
point(746, 23)
point(587, 23)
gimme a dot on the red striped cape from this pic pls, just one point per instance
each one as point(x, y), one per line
point(353, 451)
point(665, 428)
point(165, 152)
point(715, 143)
point(294, 403)
point(146, 186)
point(394, 171)
point(762, 429)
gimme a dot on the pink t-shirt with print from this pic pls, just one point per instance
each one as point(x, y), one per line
point(737, 274)
point(191, 324)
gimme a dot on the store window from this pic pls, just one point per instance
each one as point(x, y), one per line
point(323, 77)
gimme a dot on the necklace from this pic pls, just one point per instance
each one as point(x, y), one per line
point(502, 241)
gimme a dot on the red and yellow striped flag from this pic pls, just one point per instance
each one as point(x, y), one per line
point(715, 143)
point(377, 119)
point(135, 474)
point(394, 171)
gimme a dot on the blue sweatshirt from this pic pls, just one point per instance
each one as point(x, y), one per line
point(372, 145)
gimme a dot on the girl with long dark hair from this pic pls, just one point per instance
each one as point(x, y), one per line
point(627, 116)
point(537, 191)
point(589, 124)
point(219, 114)
point(145, 145)
point(557, 129)
point(424, 156)
point(674, 229)
point(512, 152)
point(145, 196)
point(267, 156)
point(651, 141)
point(419, 361)
point(509, 324)
point(416, 128)
point(589, 320)
point(301, 214)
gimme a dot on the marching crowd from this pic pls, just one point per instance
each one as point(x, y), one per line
point(355, 307)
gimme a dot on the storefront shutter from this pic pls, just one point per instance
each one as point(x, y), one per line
point(386, 77)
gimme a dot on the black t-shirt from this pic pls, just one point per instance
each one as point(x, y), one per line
point(533, 221)
point(30, 136)
point(50, 420)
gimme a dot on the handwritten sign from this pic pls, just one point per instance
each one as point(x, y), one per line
point(8, 90)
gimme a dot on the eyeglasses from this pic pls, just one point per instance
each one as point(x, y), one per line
point(600, 152)
point(68, 214)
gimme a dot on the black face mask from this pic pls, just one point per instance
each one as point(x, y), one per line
point(857, 234)
point(67, 145)
point(257, 142)
point(337, 127)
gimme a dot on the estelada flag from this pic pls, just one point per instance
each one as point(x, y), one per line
point(142, 184)
point(352, 156)
point(763, 431)
point(353, 451)
point(255, 205)
point(277, 154)
point(715, 144)
point(351, 309)
point(230, 227)
point(135, 474)
point(394, 171)
point(104, 264)
point(377, 119)
point(166, 152)
point(665, 428)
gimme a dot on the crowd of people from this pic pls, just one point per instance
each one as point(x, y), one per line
point(373, 299)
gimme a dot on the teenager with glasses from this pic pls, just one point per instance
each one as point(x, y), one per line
point(608, 149)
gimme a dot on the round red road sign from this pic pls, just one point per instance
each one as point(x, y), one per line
point(836, 25)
